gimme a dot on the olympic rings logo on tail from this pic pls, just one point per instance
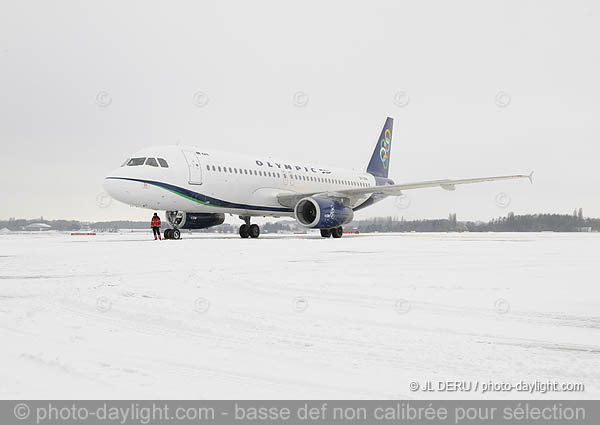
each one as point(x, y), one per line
point(384, 152)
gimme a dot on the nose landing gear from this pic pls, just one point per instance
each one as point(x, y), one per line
point(173, 234)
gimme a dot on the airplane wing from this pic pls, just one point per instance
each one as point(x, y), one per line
point(289, 199)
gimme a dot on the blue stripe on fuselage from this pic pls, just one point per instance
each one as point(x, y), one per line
point(205, 199)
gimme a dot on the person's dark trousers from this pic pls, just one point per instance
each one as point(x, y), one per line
point(156, 231)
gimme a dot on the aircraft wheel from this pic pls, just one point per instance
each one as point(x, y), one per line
point(175, 234)
point(254, 231)
point(244, 231)
point(325, 233)
point(337, 232)
point(167, 234)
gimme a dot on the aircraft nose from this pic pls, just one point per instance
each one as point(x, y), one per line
point(115, 188)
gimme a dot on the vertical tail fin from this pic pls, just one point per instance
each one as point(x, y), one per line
point(380, 161)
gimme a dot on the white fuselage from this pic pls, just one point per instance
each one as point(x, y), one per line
point(200, 181)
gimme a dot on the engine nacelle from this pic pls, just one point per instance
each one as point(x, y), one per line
point(322, 213)
point(183, 220)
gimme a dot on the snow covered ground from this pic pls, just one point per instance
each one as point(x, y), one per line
point(214, 316)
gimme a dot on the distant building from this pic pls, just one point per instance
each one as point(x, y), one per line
point(37, 227)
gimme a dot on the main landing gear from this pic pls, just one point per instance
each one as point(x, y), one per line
point(248, 230)
point(172, 234)
point(336, 232)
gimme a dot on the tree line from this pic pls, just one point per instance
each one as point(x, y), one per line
point(575, 222)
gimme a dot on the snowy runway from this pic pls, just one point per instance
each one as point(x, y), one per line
point(214, 316)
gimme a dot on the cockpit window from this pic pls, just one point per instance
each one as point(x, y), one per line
point(136, 161)
point(125, 163)
point(163, 163)
point(152, 162)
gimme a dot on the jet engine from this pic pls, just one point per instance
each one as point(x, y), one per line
point(322, 213)
point(183, 220)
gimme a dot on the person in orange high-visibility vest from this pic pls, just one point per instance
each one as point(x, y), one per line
point(155, 225)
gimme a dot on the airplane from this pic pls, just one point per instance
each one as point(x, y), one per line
point(197, 187)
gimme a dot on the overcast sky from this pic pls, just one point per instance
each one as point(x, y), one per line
point(476, 88)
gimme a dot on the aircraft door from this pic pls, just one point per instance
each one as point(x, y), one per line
point(194, 167)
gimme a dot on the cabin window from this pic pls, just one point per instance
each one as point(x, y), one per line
point(208, 167)
point(219, 168)
point(134, 162)
point(230, 170)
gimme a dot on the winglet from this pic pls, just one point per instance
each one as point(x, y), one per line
point(530, 177)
